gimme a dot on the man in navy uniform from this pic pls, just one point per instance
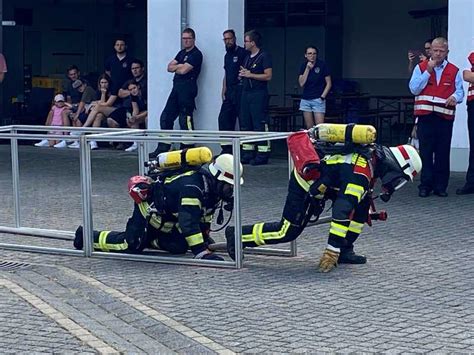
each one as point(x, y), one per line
point(255, 73)
point(186, 67)
point(231, 86)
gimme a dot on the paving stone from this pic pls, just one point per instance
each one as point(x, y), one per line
point(413, 286)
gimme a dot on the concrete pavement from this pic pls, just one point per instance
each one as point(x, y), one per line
point(415, 294)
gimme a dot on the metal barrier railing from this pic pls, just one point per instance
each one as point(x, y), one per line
point(17, 132)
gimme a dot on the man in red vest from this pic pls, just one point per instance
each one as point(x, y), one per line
point(437, 85)
point(468, 76)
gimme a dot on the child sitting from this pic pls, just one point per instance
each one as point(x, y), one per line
point(55, 118)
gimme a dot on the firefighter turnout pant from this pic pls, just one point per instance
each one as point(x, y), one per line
point(350, 209)
point(253, 117)
point(114, 241)
point(137, 236)
point(296, 212)
point(180, 103)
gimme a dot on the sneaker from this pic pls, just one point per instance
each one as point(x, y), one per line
point(93, 145)
point(132, 148)
point(43, 143)
point(74, 145)
point(61, 144)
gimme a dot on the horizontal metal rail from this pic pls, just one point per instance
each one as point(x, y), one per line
point(141, 136)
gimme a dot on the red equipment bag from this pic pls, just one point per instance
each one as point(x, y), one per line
point(304, 155)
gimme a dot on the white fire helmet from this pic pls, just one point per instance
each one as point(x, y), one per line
point(408, 159)
point(223, 168)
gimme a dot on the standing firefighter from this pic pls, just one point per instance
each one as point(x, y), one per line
point(231, 86)
point(256, 72)
point(346, 177)
point(173, 213)
point(186, 67)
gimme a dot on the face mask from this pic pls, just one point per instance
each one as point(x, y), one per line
point(391, 182)
point(225, 191)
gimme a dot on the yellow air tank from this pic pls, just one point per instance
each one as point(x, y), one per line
point(182, 158)
point(340, 133)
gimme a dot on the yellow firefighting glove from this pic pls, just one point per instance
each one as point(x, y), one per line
point(328, 260)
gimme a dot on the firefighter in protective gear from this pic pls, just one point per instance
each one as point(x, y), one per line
point(173, 214)
point(345, 179)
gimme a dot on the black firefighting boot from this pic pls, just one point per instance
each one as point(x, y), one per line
point(160, 148)
point(230, 238)
point(247, 156)
point(186, 146)
point(260, 159)
point(348, 256)
point(226, 149)
point(78, 239)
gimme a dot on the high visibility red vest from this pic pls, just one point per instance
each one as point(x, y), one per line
point(433, 97)
point(470, 91)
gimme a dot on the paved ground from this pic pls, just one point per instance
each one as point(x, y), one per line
point(415, 295)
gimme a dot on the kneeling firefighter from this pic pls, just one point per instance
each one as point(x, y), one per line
point(347, 178)
point(173, 213)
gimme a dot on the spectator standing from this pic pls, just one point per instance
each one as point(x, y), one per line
point(468, 75)
point(437, 85)
point(139, 77)
point(231, 86)
point(419, 56)
point(186, 67)
point(316, 82)
point(256, 72)
point(117, 66)
point(3, 67)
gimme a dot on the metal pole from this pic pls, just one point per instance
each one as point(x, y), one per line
point(11, 132)
point(16, 179)
point(184, 14)
point(1, 51)
point(239, 256)
point(141, 158)
point(86, 196)
point(293, 247)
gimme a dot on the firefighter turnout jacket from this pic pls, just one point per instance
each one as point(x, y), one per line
point(346, 178)
point(176, 217)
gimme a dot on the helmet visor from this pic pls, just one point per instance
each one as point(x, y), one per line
point(393, 181)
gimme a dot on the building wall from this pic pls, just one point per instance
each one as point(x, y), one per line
point(461, 43)
point(287, 49)
point(67, 27)
point(209, 18)
point(375, 46)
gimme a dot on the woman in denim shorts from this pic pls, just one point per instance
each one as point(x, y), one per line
point(315, 80)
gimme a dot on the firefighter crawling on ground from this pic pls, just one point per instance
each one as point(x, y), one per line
point(346, 174)
point(173, 212)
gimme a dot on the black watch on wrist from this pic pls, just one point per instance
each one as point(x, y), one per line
point(322, 98)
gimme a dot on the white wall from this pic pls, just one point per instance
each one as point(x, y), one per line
point(164, 41)
point(209, 18)
point(461, 43)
